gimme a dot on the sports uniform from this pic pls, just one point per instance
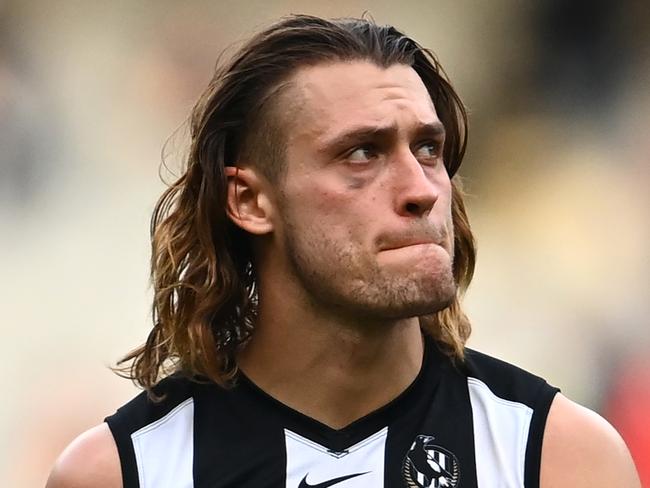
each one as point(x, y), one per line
point(476, 424)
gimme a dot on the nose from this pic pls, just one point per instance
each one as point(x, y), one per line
point(416, 188)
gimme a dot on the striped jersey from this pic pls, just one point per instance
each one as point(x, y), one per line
point(479, 423)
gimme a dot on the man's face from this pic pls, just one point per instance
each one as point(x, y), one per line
point(365, 204)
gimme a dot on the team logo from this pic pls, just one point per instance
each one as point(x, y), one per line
point(429, 466)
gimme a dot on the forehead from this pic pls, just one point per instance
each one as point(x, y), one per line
point(332, 97)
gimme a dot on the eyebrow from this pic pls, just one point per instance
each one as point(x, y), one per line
point(359, 134)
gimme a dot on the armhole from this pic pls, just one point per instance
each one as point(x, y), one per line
point(126, 452)
point(536, 435)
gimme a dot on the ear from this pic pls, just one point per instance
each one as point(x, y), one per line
point(248, 203)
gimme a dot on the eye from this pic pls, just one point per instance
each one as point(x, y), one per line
point(362, 155)
point(428, 152)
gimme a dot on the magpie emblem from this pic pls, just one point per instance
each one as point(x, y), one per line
point(427, 465)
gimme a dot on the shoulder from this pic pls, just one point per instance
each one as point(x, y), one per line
point(507, 381)
point(146, 408)
point(581, 449)
point(484, 365)
point(90, 461)
point(103, 456)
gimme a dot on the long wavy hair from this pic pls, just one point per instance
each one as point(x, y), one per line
point(203, 275)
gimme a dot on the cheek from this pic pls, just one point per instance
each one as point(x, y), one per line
point(332, 206)
point(315, 210)
point(321, 199)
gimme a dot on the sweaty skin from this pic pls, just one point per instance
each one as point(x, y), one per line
point(353, 244)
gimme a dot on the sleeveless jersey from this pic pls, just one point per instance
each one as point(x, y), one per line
point(476, 424)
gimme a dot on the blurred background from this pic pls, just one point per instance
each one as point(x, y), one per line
point(558, 172)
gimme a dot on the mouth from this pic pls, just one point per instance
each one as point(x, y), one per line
point(421, 237)
point(410, 243)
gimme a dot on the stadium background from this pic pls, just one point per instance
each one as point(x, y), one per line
point(558, 170)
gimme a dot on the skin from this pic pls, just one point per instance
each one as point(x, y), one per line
point(379, 206)
point(352, 245)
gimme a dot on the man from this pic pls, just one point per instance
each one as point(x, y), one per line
point(308, 268)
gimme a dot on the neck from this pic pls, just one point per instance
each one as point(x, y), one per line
point(327, 367)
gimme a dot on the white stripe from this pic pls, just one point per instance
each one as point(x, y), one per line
point(442, 461)
point(500, 437)
point(164, 449)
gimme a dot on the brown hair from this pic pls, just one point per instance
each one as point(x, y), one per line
point(204, 280)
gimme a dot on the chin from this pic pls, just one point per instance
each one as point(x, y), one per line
point(412, 298)
point(431, 304)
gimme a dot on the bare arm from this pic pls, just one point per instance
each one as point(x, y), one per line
point(90, 461)
point(582, 450)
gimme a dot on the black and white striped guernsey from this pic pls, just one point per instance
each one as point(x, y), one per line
point(478, 424)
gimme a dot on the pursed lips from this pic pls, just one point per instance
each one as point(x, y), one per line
point(415, 242)
point(400, 240)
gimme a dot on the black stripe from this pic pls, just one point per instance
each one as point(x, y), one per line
point(237, 443)
point(126, 453)
point(443, 412)
point(536, 436)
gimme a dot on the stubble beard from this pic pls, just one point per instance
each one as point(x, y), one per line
point(343, 279)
